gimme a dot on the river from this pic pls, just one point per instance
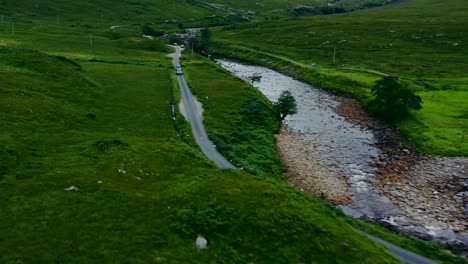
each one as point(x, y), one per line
point(347, 148)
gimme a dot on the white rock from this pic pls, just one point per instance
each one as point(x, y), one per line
point(201, 242)
point(71, 188)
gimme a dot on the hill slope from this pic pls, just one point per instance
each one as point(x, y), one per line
point(143, 195)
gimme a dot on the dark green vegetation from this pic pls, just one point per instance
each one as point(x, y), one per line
point(393, 99)
point(418, 41)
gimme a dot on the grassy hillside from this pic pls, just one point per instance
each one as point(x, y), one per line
point(81, 107)
point(163, 13)
point(95, 13)
point(98, 117)
point(144, 195)
point(419, 41)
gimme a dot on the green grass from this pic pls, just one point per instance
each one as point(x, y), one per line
point(67, 124)
point(103, 13)
point(422, 51)
point(248, 138)
point(80, 114)
point(442, 123)
point(363, 38)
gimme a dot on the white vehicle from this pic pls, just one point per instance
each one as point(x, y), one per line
point(182, 46)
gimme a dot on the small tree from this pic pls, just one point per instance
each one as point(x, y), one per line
point(286, 105)
point(394, 99)
point(255, 78)
point(200, 43)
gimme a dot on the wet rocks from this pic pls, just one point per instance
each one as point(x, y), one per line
point(432, 191)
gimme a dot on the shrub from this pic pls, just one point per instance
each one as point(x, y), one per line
point(107, 144)
point(203, 218)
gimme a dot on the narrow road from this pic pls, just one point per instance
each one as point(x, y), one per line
point(196, 122)
point(401, 253)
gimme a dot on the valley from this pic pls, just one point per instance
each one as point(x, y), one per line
point(97, 163)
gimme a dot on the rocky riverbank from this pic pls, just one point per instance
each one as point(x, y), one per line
point(306, 170)
point(431, 193)
point(334, 149)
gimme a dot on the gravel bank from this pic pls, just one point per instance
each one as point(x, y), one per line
point(306, 171)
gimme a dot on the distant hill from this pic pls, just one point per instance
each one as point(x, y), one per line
point(89, 13)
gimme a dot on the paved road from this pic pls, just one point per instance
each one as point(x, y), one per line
point(196, 122)
point(401, 253)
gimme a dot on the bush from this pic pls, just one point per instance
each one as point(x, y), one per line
point(258, 113)
point(148, 30)
point(202, 219)
point(108, 144)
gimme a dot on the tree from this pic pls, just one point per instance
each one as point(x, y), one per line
point(286, 105)
point(201, 41)
point(394, 99)
point(255, 78)
point(148, 30)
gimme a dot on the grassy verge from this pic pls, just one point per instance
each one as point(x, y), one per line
point(248, 137)
point(429, 249)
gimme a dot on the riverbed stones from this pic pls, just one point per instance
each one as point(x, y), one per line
point(306, 170)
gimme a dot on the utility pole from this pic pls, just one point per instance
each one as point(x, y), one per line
point(13, 29)
point(334, 55)
point(91, 40)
